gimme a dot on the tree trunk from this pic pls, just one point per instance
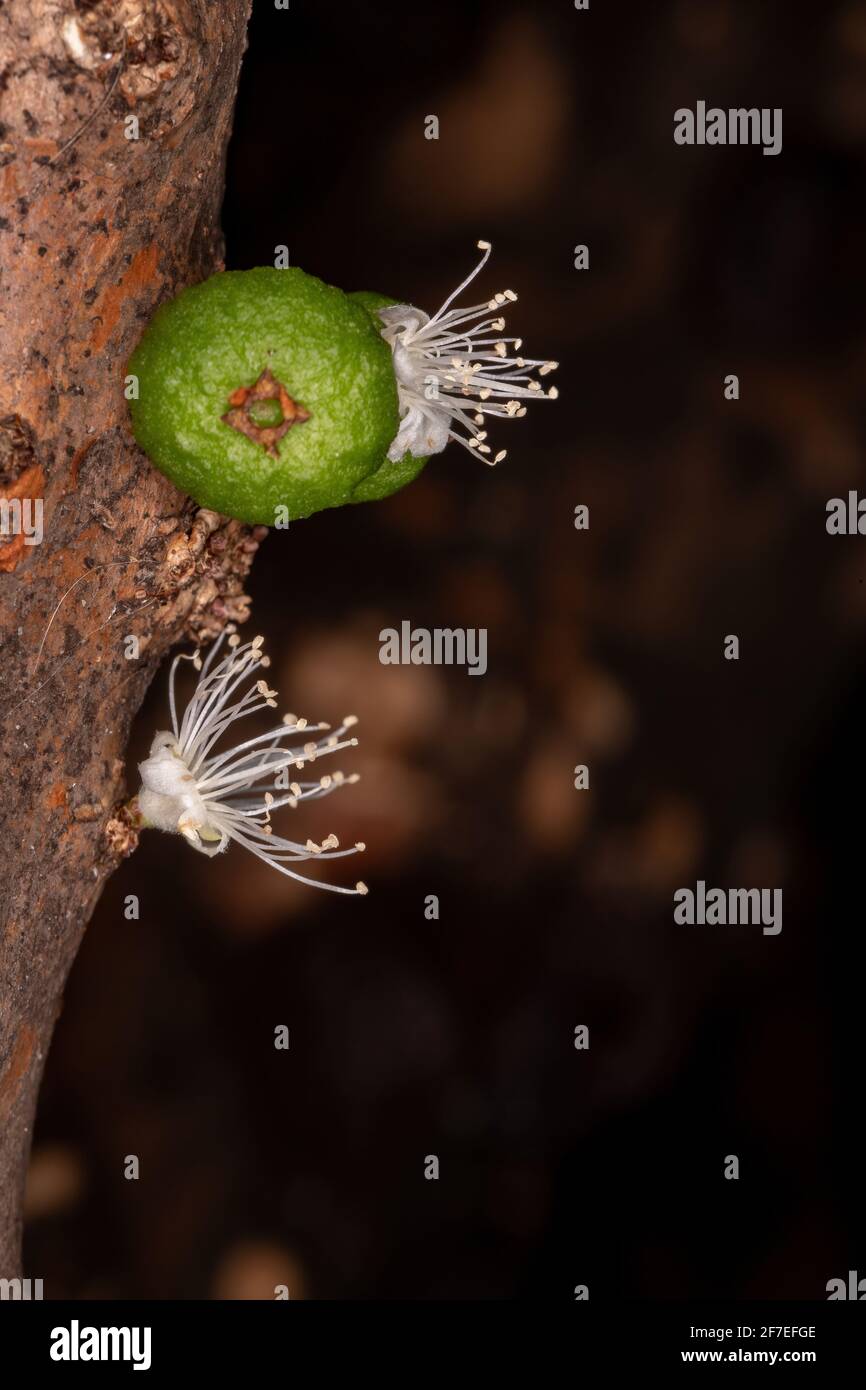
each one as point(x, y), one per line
point(114, 118)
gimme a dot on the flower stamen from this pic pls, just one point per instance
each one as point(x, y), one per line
point(432, 397)
point(213, 798)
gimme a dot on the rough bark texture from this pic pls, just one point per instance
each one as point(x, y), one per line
point(95, 229)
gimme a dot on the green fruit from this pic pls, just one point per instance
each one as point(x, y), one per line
point(372, 301)
point(313, 405)
point(390, 476)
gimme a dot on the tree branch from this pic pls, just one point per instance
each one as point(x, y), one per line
point(97, 227)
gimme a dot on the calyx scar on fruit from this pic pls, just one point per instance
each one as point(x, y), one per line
point(266, 392)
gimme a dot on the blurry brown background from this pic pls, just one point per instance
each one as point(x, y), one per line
point(454, 1037)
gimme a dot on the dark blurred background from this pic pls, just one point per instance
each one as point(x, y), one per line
point(454, 1037)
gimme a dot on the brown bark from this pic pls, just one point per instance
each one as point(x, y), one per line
point(95, 229)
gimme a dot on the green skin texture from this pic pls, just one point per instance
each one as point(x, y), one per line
point(326, 349)
point(390, 477)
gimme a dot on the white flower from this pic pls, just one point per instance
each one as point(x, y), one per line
point(211, 798)
point(449, 375)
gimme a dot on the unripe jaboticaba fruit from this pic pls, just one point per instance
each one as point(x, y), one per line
point(266, 388)
point(391, 476)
